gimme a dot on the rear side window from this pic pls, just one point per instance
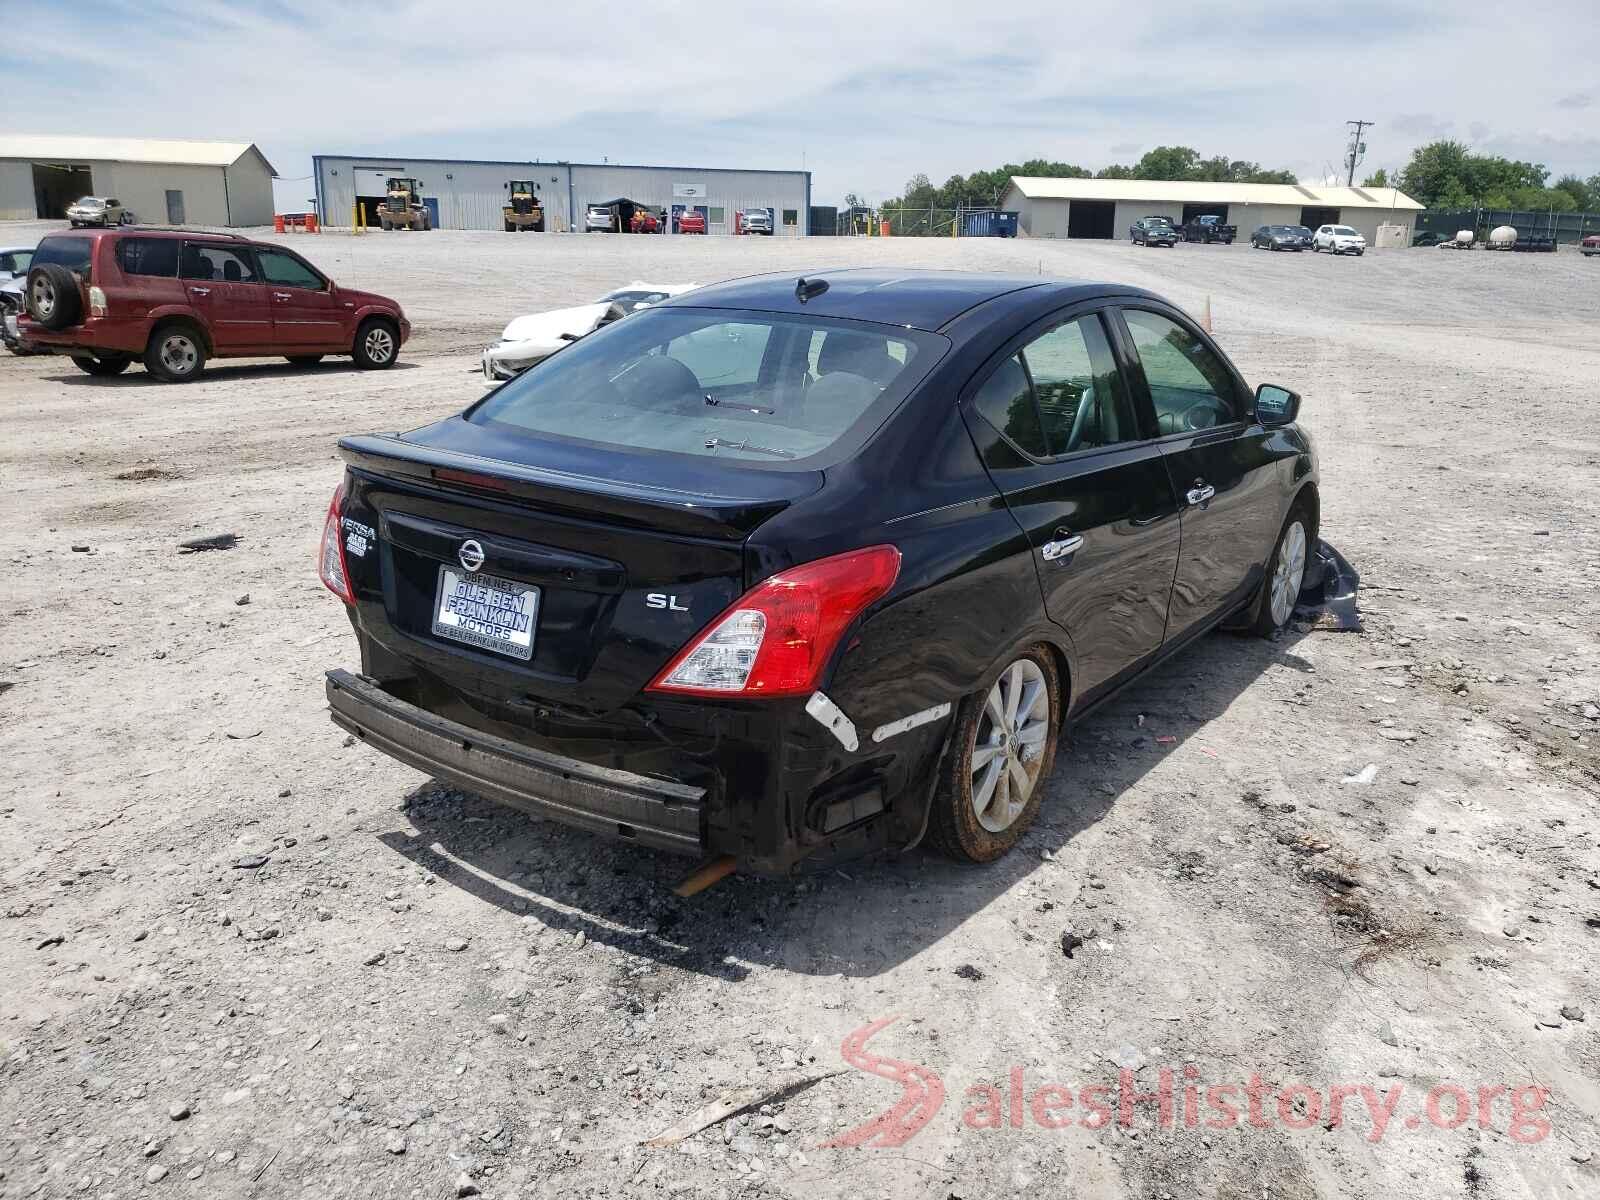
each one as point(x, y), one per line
point(149, 256)
point(1006, 402)
point(69, 252)
point(763, 388)
point(222, 264)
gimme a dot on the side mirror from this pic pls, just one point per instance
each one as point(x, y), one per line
point(1276, 405)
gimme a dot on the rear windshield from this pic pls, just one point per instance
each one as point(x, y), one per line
point(70, 252)
point(752, 386)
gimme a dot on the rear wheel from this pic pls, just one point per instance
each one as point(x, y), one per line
point(1004, 745)
point(304, 360)
point(377, 345)
point(176, 354)
point(1286, 572)
point(109, 365)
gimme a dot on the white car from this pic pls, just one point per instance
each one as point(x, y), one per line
point(97, 210)
point(1340, 239)
point(14, 261)
point(597, 218)
point(535, 337)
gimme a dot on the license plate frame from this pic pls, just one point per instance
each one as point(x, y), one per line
point(500, 627)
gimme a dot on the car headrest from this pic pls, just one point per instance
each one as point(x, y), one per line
point(231, 271)
point(837, 399)
point(858, 354)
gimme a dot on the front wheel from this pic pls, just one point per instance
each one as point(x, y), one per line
point(1286, 571)
point(1002, 750)
point(377, 345)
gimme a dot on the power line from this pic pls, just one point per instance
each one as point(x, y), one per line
point(1357, 151)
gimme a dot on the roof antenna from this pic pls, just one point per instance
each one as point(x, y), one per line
point(805, 289)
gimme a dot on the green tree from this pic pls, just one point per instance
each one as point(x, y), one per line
point(1583, 199)
point(1168, 162)
point(1378, 179)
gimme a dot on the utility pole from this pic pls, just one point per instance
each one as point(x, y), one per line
point(1358, 149)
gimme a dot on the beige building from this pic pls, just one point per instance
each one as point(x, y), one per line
point(161, 182)
point(1105, 208)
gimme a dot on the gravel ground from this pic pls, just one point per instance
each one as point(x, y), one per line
point(241, 956)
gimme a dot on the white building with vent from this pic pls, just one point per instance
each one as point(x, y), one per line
point(1105, 208)
point(161, 182)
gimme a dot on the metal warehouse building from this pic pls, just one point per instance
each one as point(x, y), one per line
point(469, 194)
point(196, 183)
point(1105, 208)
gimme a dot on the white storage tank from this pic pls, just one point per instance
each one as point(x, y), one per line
point(1502, 237)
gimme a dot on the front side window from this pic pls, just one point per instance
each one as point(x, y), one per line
point(1190, 386)
point(16, 262)
point(149, 256)
point(285, 270)
point(752, 387)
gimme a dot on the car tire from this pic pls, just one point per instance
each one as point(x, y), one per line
point(110, 365)
point(303, 360)
point(377, 344)
point(976, 815)
point(1286, 573)
point(176, 353)
point(52, 297)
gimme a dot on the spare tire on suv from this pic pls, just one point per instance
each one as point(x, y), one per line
point(52, 297)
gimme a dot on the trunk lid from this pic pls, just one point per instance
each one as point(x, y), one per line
point(631, 555)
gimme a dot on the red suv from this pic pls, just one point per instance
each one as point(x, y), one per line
point(692, 222)
point(177, 299)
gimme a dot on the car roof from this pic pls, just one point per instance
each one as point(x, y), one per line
point(927, 300)
point(193, 235)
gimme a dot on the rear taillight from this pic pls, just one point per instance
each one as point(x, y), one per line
point(331, 565)
point(97, 302)
point(777, 638)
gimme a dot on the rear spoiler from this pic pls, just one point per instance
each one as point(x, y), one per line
point(648, 506)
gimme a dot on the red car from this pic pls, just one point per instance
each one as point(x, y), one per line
point(644, 222)
point(692, 222)
point(1590, 245)
point(175, 300)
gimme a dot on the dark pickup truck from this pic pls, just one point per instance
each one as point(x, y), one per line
point(1209, 229)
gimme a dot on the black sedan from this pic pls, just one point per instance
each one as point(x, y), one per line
point(1281, 237)
point(789, 571)
point(1153, 231)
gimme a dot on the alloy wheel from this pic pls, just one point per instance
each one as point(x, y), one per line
point(379, 344)
point(1008, 745)
point(1288, 572)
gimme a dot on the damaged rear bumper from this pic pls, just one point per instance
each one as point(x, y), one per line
point(655, 812)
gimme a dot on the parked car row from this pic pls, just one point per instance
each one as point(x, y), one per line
point(1160, 231)
point(175, 300)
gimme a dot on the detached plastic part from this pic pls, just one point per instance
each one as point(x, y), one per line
point(832, 717)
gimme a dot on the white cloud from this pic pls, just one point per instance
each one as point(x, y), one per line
point(864, 94)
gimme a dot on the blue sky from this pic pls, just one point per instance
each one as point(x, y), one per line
point(863, 95)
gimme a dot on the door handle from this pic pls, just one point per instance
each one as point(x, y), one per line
point(200, 291)
point(281, 296)
point(1201, 492)
point(1062, 547)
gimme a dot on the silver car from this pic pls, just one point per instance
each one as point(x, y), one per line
point(14, 261)
point(97, 210)
point(757, 220)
